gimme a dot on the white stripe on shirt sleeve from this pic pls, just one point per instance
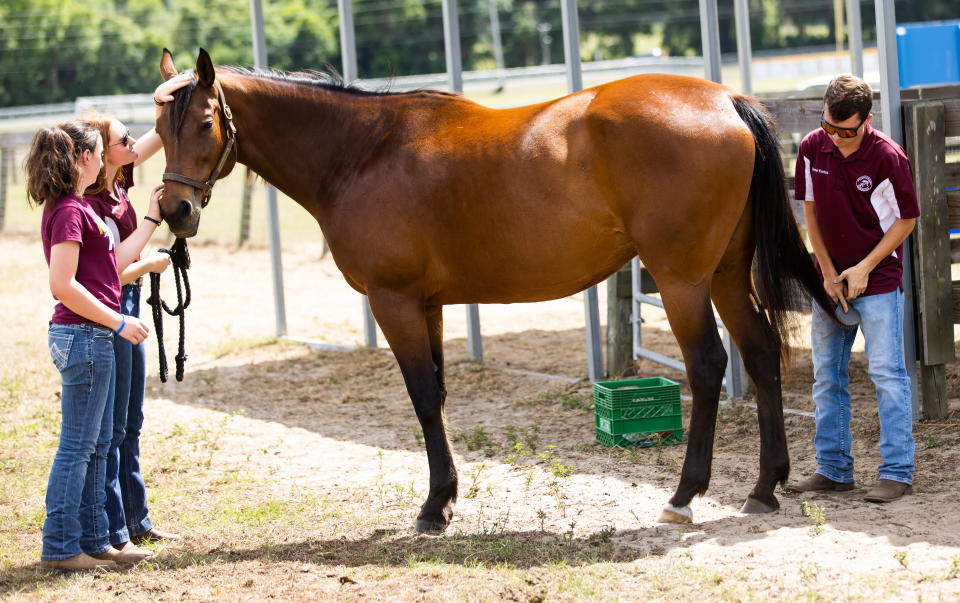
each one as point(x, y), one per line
point(884, 202)
point(808, 178)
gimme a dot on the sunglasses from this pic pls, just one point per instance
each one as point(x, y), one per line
point(123, 140)
point(831, 129)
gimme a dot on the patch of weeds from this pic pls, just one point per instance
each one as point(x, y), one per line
point(808, 571)
point(418, 437)
point(816, 515)
point(901, 557)
point(954, 571)
point(561, 476)
point(530, 437)
point(232, 346)
point(557, 468)
point(474, 488)
point(603, 536)
point(333, 380)
point(477, 440)
point(518, 452)
point(929, 441)
point(542, 516)
point(257, 514)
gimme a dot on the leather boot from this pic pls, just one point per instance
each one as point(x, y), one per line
point(887, 490)
point(129, 554)
point(78, 563)
point(820, 483)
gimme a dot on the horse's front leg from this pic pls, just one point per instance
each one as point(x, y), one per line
point(691, 319)
point(410, 328)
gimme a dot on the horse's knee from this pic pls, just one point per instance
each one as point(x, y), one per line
point(707, 366)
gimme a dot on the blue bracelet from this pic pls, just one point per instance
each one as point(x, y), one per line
point(123, 323)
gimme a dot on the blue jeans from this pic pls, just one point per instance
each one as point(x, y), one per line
point(881, 320)
point(76, 520)
point(126, 493)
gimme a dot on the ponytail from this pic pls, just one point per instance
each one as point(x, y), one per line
point(52, 163)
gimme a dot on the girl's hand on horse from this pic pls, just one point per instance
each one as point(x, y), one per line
point(154, 208)
point(157, 261)
point(134, 330)
point(164, 92)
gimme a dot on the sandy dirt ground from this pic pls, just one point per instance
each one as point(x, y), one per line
point(337, 422)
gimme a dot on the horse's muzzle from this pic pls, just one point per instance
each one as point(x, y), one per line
point(185, 220)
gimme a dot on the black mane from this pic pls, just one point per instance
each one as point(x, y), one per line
point(329, 79)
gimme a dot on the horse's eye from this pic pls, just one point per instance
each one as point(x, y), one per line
point(208, 124)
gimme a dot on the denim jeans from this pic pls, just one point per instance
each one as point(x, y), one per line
point(76, 521)
point(881, 321)
point(126, 493)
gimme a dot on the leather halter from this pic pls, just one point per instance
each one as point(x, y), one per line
point(231, 129)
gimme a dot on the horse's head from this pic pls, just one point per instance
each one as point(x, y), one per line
point(198, 139)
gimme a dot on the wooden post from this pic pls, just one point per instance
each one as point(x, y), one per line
point(925, 137)
point(248, 177)
point(4, 172)
point(619, 331)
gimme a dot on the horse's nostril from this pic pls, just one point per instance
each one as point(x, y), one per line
point(186, 208)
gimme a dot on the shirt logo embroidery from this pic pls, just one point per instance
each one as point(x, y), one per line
point(819, 171)
point(864, 184)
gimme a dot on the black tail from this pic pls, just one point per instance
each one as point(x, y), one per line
point(783, 266)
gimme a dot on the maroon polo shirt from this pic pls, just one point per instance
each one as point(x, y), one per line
point(114, 205)
point(72, 219)
point(858, 198)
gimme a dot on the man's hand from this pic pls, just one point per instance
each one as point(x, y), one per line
point(835, 289)
point(856, 278)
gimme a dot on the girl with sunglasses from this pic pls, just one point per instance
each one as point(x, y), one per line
point(126, 497)
point(83, 258)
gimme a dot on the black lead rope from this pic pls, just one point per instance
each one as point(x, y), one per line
point(180, 258)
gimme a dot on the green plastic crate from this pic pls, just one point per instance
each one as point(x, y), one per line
point(640, 440)
point(645, 425)
point(638, 412)
point(642, 410)
point(630, 392)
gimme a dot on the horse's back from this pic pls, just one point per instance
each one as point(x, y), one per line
point(541, 201)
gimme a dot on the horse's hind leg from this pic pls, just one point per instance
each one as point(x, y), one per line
point(732, 295)
point(691, 319)
point(414, 334)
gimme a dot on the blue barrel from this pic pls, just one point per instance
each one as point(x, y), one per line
point(928, 53)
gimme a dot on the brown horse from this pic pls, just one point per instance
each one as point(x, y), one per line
point(428, 199)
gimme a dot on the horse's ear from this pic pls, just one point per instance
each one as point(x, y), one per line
point(167, 70)
point(205, 72)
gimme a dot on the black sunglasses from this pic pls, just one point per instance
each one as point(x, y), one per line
point(829, 128)
point(123, 140)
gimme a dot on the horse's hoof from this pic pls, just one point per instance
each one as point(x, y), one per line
point(671, 514)
point(752, 505)
point(422, 526)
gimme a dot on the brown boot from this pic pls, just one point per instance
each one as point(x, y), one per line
point(128, 554)
point(154, 535)
point(78, 563)
point(887, 490)
point(820, 483)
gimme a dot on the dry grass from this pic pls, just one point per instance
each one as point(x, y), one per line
point(538, 522)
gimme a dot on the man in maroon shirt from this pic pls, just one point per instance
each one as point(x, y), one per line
point(860, 205)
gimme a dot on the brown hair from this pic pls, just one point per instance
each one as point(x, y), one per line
point(51, 164)
point(102, 123)
point(848, 95)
